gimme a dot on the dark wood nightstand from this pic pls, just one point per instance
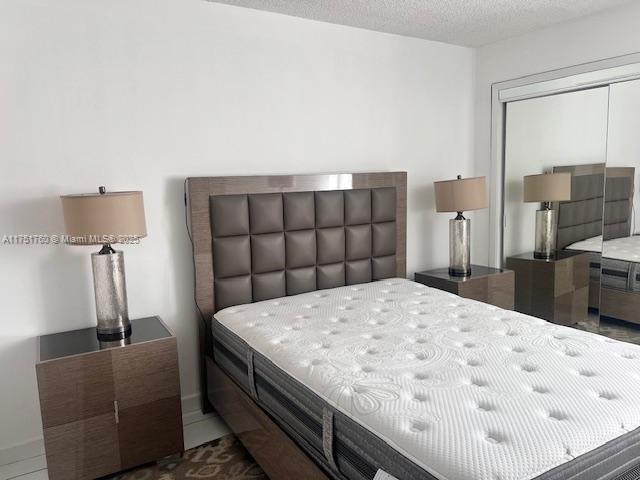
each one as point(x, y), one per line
point(485, 284)
point(556, 290)
point(111, 406)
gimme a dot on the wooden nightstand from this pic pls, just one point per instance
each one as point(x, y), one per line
point(485, 284)
point(556, 289)
point(109, 407)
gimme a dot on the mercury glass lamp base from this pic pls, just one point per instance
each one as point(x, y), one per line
point(459, 273)
point(111, 295)
point(545, 244)
point(117, 337)
point(459, 246)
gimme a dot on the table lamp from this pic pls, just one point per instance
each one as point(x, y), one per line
point(460, 195)
point(105, 218)
point(546, 188)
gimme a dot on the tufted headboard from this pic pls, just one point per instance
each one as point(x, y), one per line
point(581, 217)
point(596, 207)
point(269, 245)
point(261, 237)
point(618, 203)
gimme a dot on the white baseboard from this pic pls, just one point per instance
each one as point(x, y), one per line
point(192, 409)
point(30, 449)
point(191, 413)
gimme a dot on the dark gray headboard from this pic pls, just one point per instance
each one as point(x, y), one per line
point(269, 245)
point(582, 217)
point(349, 227)
point(618, 205)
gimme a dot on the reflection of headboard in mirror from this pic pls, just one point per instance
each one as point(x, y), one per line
point(618, 205)
point(581, 217)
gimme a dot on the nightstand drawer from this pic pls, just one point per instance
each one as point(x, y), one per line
point(146, 372)
point(152, 430)
point(84, 449)
point(75, 388)
point(485, 284)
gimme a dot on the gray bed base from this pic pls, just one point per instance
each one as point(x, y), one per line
point(347, 451)
point(612, 273)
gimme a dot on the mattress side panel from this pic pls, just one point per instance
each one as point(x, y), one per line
point(297, 410)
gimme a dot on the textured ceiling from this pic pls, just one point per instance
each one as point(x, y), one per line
point(461, 22)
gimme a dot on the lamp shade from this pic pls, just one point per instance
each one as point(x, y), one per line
point(461, 194)
point(112, 217)
point(547, 187)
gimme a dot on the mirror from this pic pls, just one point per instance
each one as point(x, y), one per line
point(564, 133)
point(592, 279)
point(620, 267)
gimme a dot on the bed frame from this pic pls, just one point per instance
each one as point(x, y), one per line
point(278, 455)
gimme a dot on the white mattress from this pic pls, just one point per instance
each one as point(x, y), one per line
point(624, 248)
point(593, 244)
point(466, 390)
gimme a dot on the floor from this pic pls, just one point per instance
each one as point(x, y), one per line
point(197, 431)
point(616, 329)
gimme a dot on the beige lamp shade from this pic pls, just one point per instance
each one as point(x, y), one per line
point(112, 217)
point(461, 194)
point(547, 187)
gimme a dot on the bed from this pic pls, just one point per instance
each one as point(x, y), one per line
point(328, 363)
point(618, 271)
point(620, 263)
point(599, 219)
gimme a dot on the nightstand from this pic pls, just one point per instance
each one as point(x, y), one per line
point(556, 290)
point(111, 406)
point(485, 284)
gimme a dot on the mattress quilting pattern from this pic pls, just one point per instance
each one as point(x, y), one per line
point(464, 389)
point(593, 244)
point(623, 248)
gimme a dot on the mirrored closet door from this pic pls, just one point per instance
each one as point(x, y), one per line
point(620, 267)
point(569, 204)
point(557, 134)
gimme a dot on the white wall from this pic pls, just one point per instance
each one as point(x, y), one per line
point(608, 34)
point(541, 133)
point(141, 94)
point(623, 149)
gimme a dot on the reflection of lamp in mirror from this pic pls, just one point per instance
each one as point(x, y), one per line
point(546, 188)
point(105, 218)
point(460, 195)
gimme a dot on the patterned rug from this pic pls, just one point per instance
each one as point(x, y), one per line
point(222, 459)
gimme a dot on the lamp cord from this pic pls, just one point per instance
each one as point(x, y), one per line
point(186, 219)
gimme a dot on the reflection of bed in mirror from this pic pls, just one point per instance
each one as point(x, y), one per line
point(615, 261)
point(580, 219)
